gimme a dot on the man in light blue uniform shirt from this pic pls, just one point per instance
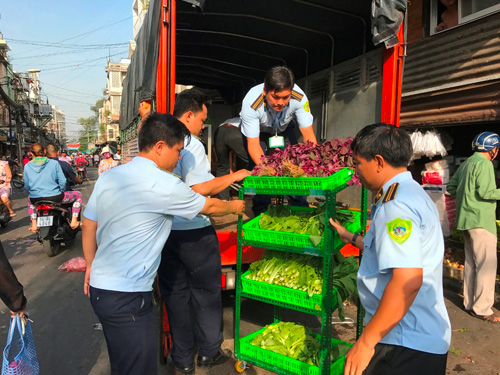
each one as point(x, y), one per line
point(399, 282)
point(267, 113)
point(126, 222)
point(190, 270)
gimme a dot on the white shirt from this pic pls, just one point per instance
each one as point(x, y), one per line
point(193, 168)
point(134, 205)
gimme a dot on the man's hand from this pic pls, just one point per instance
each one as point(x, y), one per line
point(241, 174)
point(358, 358)
point(21, 313)
point(86, 282)
point(238, 206)
point(78, 180)
point(344, 235)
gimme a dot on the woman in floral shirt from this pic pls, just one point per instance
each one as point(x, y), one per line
point(107, 162)
point(5, 189)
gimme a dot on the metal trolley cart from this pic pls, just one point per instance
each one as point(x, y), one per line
point(320, 305)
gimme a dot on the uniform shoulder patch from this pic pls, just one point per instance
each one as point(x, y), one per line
point(399, 229)
point(297, 95)
point(258, 102)
point(378, 196)
point(391, 192)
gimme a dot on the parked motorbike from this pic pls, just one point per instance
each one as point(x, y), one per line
point(53, 221)
point(81, 170)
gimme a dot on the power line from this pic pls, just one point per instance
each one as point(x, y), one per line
point(88, 32)
point(71, 46)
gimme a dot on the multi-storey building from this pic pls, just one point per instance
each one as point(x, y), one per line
point(110, 113)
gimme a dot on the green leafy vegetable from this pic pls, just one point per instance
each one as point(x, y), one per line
point(281, 218)
point(305, 273)
point(295, 341)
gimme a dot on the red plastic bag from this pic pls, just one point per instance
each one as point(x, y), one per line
point(77, 264)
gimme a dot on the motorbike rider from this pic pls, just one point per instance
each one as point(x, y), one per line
point(5, 188)
point(65, 157)
point(107, 161)
point(44, 180)
point(69, 173)
point(80, 161)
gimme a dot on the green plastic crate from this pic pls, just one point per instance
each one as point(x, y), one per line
point(252, 232)
point(283, 294)
point(290, 185)
point(280, 361)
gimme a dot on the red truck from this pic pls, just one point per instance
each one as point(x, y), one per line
point(346, 55)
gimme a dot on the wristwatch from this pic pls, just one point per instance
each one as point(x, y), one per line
point(354, 238)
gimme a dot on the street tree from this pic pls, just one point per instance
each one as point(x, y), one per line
point(89, 126)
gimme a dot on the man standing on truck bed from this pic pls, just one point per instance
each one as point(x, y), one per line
point(266, 116)
point(190, 269)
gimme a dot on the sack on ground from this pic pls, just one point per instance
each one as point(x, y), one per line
point(77, 264)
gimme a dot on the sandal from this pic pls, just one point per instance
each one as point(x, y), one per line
point(487, 318)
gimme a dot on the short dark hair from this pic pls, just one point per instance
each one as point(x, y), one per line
point(190, 100)
point(162, 127)
point(52, 148)
point(279, 78)
point(391, 142)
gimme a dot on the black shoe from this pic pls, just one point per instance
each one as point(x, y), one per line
point(223, 356)
point(178, 370)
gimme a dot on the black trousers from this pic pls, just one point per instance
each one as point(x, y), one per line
point(130, 330)
point(190, 276)
point(226, 139)
point(260, 202)
point(398, 360)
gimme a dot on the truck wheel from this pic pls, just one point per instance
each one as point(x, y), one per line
point(50, 247)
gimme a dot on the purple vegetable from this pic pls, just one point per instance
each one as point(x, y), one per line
point(316, 160)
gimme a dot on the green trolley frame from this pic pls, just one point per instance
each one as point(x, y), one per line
point(327, 187)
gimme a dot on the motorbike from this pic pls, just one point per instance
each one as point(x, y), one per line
point(17, 179)
point(53, 221)
point(81, 170)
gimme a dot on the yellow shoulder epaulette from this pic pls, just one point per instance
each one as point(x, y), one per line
point(258, 102)
point(378, 196)
point(297, 95)
point(391, 192)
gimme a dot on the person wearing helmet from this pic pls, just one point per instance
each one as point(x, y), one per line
point(476, 193)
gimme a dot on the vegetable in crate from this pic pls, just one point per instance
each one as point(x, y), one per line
point(295, 341)
point(281, 218)
point(305, 273)
point(307, 159)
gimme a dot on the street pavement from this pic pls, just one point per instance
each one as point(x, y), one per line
point(68, 341)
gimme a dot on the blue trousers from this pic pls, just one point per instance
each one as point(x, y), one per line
point(190, 283)
point(130, 330)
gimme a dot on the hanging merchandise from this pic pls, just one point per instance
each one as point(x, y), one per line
point(428, 144)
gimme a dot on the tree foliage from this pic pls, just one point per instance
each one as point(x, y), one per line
point(89, 126)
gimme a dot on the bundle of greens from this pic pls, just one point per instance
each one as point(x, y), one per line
point(295, 271)
point(281, 218)
point(295, 341)
point(305, 273)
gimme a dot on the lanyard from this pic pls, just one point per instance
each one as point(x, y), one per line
point(276, 120)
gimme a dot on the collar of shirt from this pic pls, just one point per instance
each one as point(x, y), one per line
point(400, 177)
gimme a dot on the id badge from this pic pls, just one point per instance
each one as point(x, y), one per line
point(276, 141)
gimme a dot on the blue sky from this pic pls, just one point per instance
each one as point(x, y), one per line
point(86, 32)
